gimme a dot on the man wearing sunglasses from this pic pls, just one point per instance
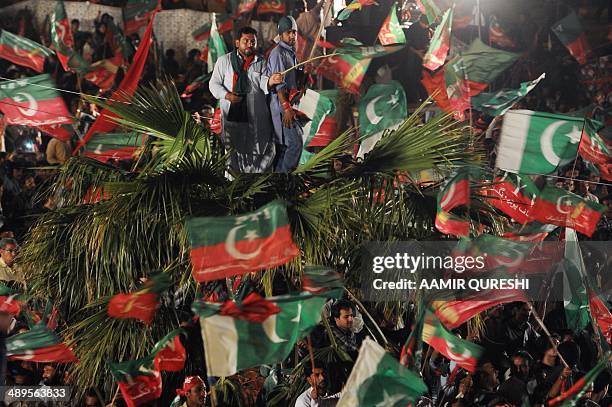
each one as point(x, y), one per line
point(8, 251)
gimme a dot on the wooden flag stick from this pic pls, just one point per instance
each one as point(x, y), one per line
point(550, 339)
point(328, 6)
point(310, 352)
point(306, 62)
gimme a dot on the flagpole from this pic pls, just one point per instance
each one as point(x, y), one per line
point(550, 339)
point(306, 62)
point(328, 4)
point(367, 314)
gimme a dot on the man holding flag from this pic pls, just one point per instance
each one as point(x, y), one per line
point(287, 132)
point(240, 81)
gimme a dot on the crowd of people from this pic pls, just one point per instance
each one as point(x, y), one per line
point(521, 365)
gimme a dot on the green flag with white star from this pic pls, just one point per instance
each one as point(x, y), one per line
point(537, 143)
point(575, 297)
point(378, 379)
point(383, 106)
point(496, 104)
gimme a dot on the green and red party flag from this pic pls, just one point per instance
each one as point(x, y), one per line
point(136, 14)
point(141, 304)
point(32, 101)
point(346, 70)
point(498, 103)
point(572, 35)
point(61, 35)
point(245, 7)
point(435, 85)
point(412, 351)
point(454, 194)
point(102, 73)
point(22, 51)
point(536, 142)
point(39, 344)
point(601, 314)
point(319, 280)
point(570, 397)
point(316, 107)
point(378, 379)
point(458, 89)
point(513, 194)
point(440, 43)
point(216, 45)
point(596, 150)
point(430, 9)
point(464, 353)
point(10, 305)
point(240, 338)
point(113, 146)
point(497, 35)
point(353, 6)
point(233, 245)
point(271, 6)
point(196, 84)
point(138, 381)
point(169, 353)
point(61, 132)
point(391, 32)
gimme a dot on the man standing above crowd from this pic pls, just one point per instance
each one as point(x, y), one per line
point(241, 82)
point(288, 133)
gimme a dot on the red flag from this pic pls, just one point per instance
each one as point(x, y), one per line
point(601, 314)
point(103, 73)
point(253, 308)
point(454, 194)
point(139, 305)
point(127, 87)
point(435, 84)
point(10, 305)
point(170, 354)
point(61, 132)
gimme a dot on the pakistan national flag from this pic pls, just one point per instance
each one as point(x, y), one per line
point(22, 51)
point(32, 101)
point(537, 143)
point(216, 45)
point(383, 106)
point(316, 107)
point(234, 342)
point(378, 379)
point(575, 296)
point(232, 245)
point(497, 104)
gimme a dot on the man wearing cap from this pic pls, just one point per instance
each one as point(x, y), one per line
point(288, 133)
point(241, 82)
point(194, 391)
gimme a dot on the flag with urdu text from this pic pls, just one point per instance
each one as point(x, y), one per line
point(498, 103)
point(570, 397)
point(383, 106)
point(127, 87)
point(232, 245)
point(138, 381)
point(536, 142)
point(353, 6)
point(39, 344)
point(32, 101)
point(440, 43)
point(391, 32)
point(513, 194)
point(22, 51)
point(430, 9)
point(61, 35)
point(141, 304)
point(136, 14)
point(169, 353)
point(594, 149)
point(572, 35)
point(560, 207)
point(256, 331)
point(455, 349)
point(454, 194)
point(216, 45)
point(378, 379)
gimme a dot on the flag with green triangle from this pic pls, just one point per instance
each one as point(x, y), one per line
point(138, 381)
point(353, 6)
point(575, 297)
point(497, 104)
point(136, 14)
point(430, 9)
point(232, 245)
point(378, 379)
point(570, 397)
point(536, 142)
point(216, 45)
point(594, 149)
point(39, 344)
point(383, 106)
point(238, 336)
point(459, 89)
point(61, 35)
point(113, 146)
point(22, 51)
point(32, 101)
point(391, 32)
point(440, 43)
point(572, 35)
point(464, 353)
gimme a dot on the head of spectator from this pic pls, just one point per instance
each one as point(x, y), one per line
point(92, 399)
point(74, 25)
point(194, 390)
point(343, 312)
point(521, 365)
point(170, 54)
point(21, 376)
point(601, 386)
point(287, 30)
point(193, 56)
point(550, 355)
point(487, 377)
point(570, 352)
point(246, 42)
point(8, 250)
point(50, 375)
point(520, 314)
point(315, 378)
